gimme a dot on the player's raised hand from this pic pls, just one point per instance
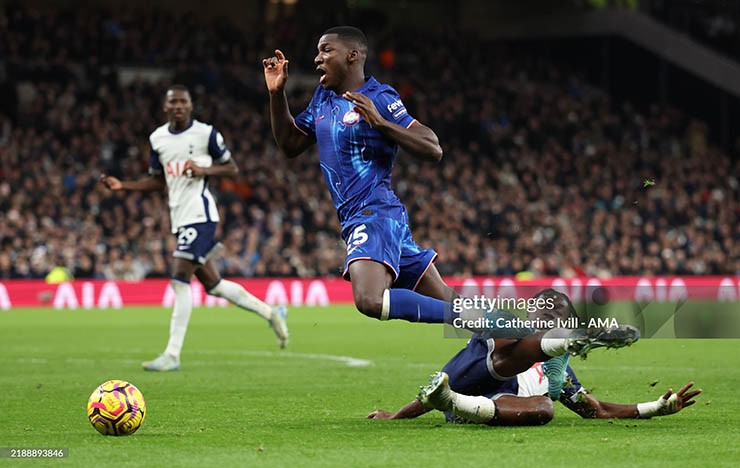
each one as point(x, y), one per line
point(365, 107)
point(276, 71)
point(674, 402)
point(110, 182)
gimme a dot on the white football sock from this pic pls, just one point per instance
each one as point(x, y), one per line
point(477, 409)
point(551, 345)
point(239, 296)
point(180, 317)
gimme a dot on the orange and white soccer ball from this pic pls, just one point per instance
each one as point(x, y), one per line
point(116, 408)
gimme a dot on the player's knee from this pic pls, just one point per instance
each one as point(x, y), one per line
point(369, 304)
point(544, 411)
point(182, 275)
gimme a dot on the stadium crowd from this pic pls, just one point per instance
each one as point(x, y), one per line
point(543, 173)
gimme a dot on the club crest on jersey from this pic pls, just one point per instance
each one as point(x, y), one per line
point(351, 118)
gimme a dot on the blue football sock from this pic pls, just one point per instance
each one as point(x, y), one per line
point(413, 307)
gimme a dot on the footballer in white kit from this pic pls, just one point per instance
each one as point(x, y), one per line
point(193, 212)
point(472, 387)
point(184, 154)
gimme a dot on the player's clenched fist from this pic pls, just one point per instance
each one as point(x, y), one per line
point(110, 182)
point(276, 72)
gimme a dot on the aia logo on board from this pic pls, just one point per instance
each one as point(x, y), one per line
point(351, 118)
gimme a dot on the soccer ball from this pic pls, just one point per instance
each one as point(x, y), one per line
point(116, 408)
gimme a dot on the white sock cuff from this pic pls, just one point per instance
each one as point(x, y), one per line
point(218, 289)
point(477, 409)
point(552, 342)
point(385, 310)
point(179, 283)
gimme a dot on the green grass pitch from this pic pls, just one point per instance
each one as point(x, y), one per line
point(239, 401)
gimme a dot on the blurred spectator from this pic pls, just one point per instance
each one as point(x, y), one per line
point(543, 174)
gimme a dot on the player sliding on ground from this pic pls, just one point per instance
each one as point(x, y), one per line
point(491, 382)
point(519, 401)
point(184, 154)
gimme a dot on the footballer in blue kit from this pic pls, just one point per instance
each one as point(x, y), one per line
point(357, 161)
point(358, 125)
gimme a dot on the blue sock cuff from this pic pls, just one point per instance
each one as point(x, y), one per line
point(413, 307)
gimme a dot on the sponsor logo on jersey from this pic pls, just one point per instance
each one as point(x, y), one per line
point(395, 105)
point(351, 118)
point(396, 108)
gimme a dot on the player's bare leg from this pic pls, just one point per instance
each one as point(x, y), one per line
point(513, 410)
point(511, 357)
point(237, 295)
point(432, 285)
point(370, 279)
point(371, 282)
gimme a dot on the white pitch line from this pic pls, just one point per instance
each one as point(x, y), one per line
point(349, 361)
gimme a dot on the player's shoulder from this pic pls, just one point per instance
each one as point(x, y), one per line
point(376, 88)
point(160, 131)
point(202, 127)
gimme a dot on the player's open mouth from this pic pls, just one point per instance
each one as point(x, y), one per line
point(322, 78)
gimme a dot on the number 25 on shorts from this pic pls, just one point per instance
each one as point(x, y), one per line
point(357, 238)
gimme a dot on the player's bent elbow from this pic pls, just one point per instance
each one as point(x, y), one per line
point(432, 154)
point(437, 154)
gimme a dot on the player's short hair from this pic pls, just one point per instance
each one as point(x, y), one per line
point(561, 302)
point(349, 34)
point(176, 87)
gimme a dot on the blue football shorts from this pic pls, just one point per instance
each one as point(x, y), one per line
point(196, 242)
point(387, 241)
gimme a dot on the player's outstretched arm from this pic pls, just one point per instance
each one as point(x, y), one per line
point(411, 410)
point(150, 183)
point(418, 140)
point(288, 137)
point(670, 403)
point(227, 169)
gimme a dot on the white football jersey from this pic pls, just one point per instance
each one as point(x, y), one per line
point(190, 199)
point(533, 382)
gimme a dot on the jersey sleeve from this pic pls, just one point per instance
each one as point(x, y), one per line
point(390, 106)
point(155, 165)
point(572, 387)
point(217, 147)
point(305, 120)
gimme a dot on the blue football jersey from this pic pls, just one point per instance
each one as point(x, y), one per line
point(356, 160)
